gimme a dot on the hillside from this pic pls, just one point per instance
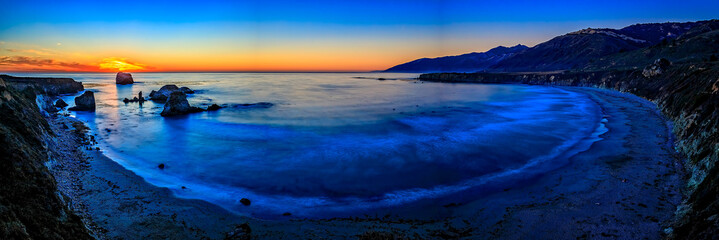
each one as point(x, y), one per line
point(699, 44)
point(470, 62)
point(577, 49)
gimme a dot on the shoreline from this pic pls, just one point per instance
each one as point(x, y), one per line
point(118, 203)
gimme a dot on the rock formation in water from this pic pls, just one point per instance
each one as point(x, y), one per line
point(139, 99)
point(123, 78)
point(213, 107)
point(30, 205)
point(177, 105)
point(186, 90)
point(60, 103)
point(84, 102)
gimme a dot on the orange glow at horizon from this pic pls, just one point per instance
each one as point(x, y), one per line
point(120, 64)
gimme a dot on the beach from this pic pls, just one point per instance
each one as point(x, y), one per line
point(623, 186)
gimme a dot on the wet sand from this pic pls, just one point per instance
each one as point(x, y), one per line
point(624, 186)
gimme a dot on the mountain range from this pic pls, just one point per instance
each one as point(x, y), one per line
point(584, 49)
point(470, 62)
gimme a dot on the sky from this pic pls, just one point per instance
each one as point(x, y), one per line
point(255, 35)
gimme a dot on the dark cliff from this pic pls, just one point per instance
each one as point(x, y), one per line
point(47, 86)
point(688, 94)
point(30, 205)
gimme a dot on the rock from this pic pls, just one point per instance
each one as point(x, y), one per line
point(656, 68)
point(46, 86)
point(84, 102)
point(213, 107)
point(124, 78)
point(60, 103)
point(164, 93)
point(287, 214)
point(139, 95)
point(186, 90)
point(245, 201)
point(161, 166)
point(241, 232)
point(253, 105)
point(177, 105)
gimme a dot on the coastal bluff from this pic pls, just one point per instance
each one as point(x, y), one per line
point(44, 85)
point(31, 207)
point(688, 94)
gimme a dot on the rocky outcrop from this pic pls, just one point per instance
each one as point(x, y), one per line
point(177, 105)
point(164, 93)
point(685, 94)
point(84, 102)
point(30, 205)
point(139, 99)
point(213, 107)
point(123, 78)
point(186, 90)
point(656, 68)
point(45, 86)
point(60, 103)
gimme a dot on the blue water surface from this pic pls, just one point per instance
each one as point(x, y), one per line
point(333, 144)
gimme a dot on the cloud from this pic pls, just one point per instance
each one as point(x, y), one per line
point(121, 64)
point(33, 51)
point(26, 63)
point(59, 44)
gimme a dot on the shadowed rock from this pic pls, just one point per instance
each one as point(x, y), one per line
point(60, 103)
point(164, 93)
point(46, 86)
point(213, 107)
point(84, 102)
point(186, 90)
point(124, 78)
point(177, 105)
point(139, 99)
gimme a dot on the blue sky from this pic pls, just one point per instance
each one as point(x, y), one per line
point(364, 35)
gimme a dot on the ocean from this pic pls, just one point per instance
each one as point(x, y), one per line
point(337, 144)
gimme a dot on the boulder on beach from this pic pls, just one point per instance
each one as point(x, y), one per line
point(245, 201)
point(124, 78)
point(60, 103)
point(84, 102)
point(177, 105)
point(164, 93)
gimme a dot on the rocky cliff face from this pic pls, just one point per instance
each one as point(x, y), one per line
point(30, 205)
point(47, 86)
point(688, 94)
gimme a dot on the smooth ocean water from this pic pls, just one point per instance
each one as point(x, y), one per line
point(336, 145)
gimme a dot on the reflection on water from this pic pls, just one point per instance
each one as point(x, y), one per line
point(333, 144)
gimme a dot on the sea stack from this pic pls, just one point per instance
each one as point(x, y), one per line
point(84, 102)
point(177, 105)
point(123, 78)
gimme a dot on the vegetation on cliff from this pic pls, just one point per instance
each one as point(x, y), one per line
point(30, 205)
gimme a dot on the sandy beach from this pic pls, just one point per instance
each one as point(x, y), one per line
point(623, 186)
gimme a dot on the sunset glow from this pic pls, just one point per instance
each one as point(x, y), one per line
point(291, 36)
point(120, 64)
